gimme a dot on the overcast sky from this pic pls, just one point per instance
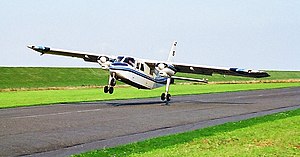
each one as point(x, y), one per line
point(258, 34)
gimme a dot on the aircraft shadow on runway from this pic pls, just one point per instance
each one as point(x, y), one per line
point(173, 102)
point(136, 103)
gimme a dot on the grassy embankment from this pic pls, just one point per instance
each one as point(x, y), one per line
point(271, 135)
point(32, 78)
point(37, 77)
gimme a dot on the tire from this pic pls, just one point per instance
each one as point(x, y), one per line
point(163, 97)
point(168, 97)
point(111, 90)
point(106, 89)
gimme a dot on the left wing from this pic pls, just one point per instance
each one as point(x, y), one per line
point(103, 60)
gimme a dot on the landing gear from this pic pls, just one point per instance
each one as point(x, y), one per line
point(111, 83)
point(109, 90)
point(166, 96)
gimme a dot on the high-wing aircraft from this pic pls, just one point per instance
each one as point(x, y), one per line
point(147, 74)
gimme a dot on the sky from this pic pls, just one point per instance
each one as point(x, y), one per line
point(256, 34)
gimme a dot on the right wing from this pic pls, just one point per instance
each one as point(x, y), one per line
point(202, 69)
point(209, 70)
point(103, 60)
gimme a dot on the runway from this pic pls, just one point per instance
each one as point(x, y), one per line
point(64, 129)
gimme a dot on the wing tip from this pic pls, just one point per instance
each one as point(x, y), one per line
point(39, 48)
point(30, 46)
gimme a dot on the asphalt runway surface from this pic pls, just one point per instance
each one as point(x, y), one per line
point(65, 129)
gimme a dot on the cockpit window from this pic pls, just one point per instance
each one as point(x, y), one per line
point(120, 58)
point(129, 61)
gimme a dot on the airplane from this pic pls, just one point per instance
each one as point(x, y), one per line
point(148, 74)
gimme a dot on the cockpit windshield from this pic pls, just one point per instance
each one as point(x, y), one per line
point(120, 58)
point(129, 61)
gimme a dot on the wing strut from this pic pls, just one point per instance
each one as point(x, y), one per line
point(190, 79)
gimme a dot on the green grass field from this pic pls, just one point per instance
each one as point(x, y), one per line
point(271, 135)
point(25, 77)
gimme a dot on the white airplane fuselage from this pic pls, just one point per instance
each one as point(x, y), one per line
point(136, 77)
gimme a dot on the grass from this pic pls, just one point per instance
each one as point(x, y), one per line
point(271, 135)
point(275, 75)
point(30, 98)
point(35, 77)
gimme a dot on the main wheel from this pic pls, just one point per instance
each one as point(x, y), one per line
point(168, 97)
point(163, 97)
point(106, 89)
point(111, 90)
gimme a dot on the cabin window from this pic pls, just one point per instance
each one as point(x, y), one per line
point(151, 72)
point(138, 65)
point(142, 67)
point(129, 61)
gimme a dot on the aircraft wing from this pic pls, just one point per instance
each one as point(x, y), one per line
point(103, 60)
point(209, 70)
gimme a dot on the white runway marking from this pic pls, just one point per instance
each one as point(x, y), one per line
point(55, 114)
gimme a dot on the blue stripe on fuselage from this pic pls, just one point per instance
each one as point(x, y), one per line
point(157, 80)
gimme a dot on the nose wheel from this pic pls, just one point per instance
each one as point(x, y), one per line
point(109, 90)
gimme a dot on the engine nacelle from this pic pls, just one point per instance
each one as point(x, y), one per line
point(104, 62)
point(165, 70)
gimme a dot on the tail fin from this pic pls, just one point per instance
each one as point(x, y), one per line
point(172, 52)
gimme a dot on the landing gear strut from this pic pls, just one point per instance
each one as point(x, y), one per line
point(166, 96)
point(111, 83)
